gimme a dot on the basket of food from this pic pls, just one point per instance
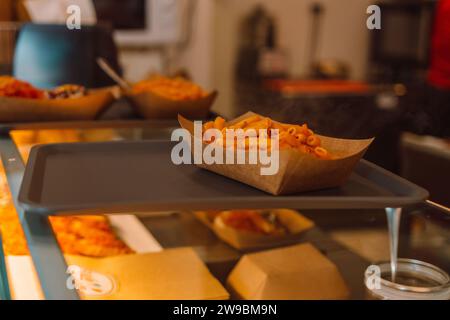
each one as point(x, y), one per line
point(256, 229)
point(298, 159)
point(164, 98)
point(22, 102)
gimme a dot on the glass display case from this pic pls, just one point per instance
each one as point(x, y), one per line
point(37, 248)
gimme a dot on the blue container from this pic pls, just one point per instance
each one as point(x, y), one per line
point(52, 55)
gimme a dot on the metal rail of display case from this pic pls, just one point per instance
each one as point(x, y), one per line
point(44, 249)
point(45, 252)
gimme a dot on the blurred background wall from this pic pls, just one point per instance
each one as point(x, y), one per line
point(210, 56)
point(344, 35)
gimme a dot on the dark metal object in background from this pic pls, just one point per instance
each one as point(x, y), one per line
point(428, 167)
point(257, 33)
point(316, 20)
point(400, 49)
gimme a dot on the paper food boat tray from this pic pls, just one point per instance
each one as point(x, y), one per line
point(39, 110)
point(241, 240)
point(298, 172)
point(153, 106)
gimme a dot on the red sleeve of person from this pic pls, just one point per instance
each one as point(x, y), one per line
point(439, 74)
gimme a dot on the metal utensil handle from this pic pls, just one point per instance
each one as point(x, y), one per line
point(113, 74)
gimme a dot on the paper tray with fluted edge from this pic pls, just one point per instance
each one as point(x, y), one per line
point(152, 106)
point(298, 171)
point(294, 223)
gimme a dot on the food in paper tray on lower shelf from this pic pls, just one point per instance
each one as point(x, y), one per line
point(303, 160)
point(250, 229)
point(296, 272)
point(91, 236)
point(150, 276)
point(165, 97)
point(22, 102)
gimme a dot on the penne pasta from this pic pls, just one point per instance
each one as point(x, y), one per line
point(291, 136)
point(321, 152)
point(208, 125)
point(292, 131)
point(252, 119)
point(313, 141)
point(279, 126)
point(219, 123)
point(261, 124)
point(300, 137)
point(240, 125)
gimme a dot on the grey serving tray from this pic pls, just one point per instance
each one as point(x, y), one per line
point(118, 177)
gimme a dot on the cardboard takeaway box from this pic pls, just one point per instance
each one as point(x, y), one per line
point(297, 272)
point(176, 274)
